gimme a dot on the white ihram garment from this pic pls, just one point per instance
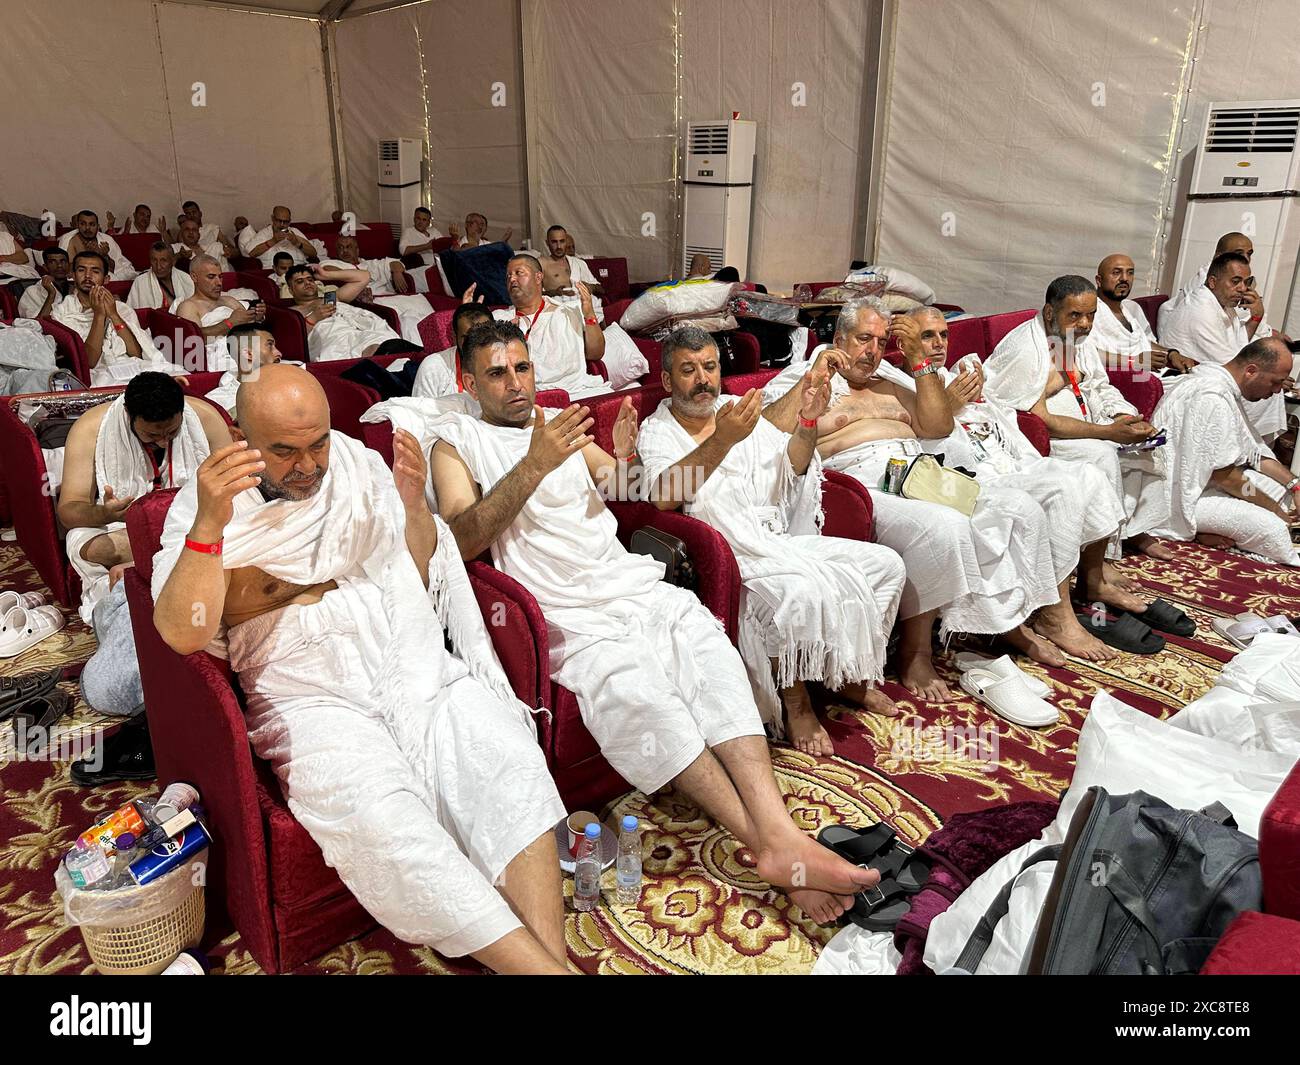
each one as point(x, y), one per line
point(411, 310)
point(121, 464)
point(436, 375)
point(656, 678)
point(1110, 335)
point(115, 364)
point(1016, 375)
point(8, 246)
point(555, 343)
point(1202, 329)
point(346, 334)
point(1078, 502)
point(985, 573)
point(1209, 430)
point(146, 292)
point(821, 606)
point(414, 768)
point(248, 240)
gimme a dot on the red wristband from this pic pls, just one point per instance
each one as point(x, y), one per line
point(204, 549)
point(807, 423)
point(591, 321)
point(1257, 318)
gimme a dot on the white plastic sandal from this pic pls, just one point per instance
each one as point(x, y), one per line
point(9, 600)
point(1003, 667)
point(1009, 697)
point(25, 628)
point(1240, 630)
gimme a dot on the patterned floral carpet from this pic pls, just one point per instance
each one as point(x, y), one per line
point(703, 909)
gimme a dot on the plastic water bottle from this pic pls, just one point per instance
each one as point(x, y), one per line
point(586, 872)
point(628, 875)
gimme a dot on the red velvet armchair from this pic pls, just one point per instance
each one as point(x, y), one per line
point(1268, 943)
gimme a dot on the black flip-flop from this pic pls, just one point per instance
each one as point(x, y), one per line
point(1165, 617)
point(14, 691)
point(126, 755)
point(1123, 632)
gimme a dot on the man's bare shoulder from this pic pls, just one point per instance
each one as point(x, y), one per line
point(85, 430)
point(214, 425)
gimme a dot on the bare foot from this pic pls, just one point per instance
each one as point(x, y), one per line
point(1153, 548)
point(1112, 576)
point(1028, 642)
point(798, 862)
point(916, 671)
point(802, 728)
point(870, 698)
point(822, 907)
point(1072, 638)
point(1114, 594)
point(1214, 540)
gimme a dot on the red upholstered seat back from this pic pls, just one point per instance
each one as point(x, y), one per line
point(611, 275)
point(1279, 849)
point(71, 350)
point(996, 326)
point(1151, 308)
point(966, 337)
point(290, 332)
point(31, 503)
point(258, 281)
point(435, 330)
point(135, 246)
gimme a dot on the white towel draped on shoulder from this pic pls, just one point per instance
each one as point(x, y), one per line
point(354, 525)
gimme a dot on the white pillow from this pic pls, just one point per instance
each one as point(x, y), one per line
point(899, 281)
point(624, 361)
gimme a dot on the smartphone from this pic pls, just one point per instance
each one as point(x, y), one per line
point(331, 299)
point(252, 304)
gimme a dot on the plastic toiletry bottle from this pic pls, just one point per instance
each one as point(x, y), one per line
point(189, 963)
point(586, 871)
point(628, 876)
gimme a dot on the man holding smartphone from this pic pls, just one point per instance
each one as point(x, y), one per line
point(279, 236)
point(215, 313)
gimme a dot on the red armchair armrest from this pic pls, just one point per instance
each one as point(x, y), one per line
point(1035, 430)
point(1140, 387)
point(715, 566)
point(847, 506)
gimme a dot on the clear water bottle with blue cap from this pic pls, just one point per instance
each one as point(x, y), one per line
point(628, 875)
point(586, 871)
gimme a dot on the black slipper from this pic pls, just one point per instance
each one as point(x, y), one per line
point(1123, 632)
point(34, 720)
point(126, 755)
point(857, 845)
point(14, 691)
point(1165, 617)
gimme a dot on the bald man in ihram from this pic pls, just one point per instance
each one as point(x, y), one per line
point(321, 575)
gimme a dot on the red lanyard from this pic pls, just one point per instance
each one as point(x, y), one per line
point(529, 331)
point(157, 472)
point(1074, 387)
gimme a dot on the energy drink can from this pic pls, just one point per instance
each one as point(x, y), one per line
point(894, 471)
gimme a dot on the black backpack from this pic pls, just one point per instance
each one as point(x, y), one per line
point(1139, 889)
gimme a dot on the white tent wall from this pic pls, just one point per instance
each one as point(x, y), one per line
point(600, 89)
point(130, 132)
point(1028, 139)
point(798, 69)
point(446, 73)
point(380, 77)
point(262, 136)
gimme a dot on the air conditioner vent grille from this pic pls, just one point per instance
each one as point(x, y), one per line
point(1265, 129)
point(708, 140)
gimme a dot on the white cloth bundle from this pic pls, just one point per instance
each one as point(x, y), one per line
point(8, 246)
point(346, 334)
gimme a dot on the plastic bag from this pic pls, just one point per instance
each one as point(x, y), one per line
point(131, 905)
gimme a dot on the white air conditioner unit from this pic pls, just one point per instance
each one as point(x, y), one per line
point(399, 163)
point(718, 185)
point(1247, 179)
